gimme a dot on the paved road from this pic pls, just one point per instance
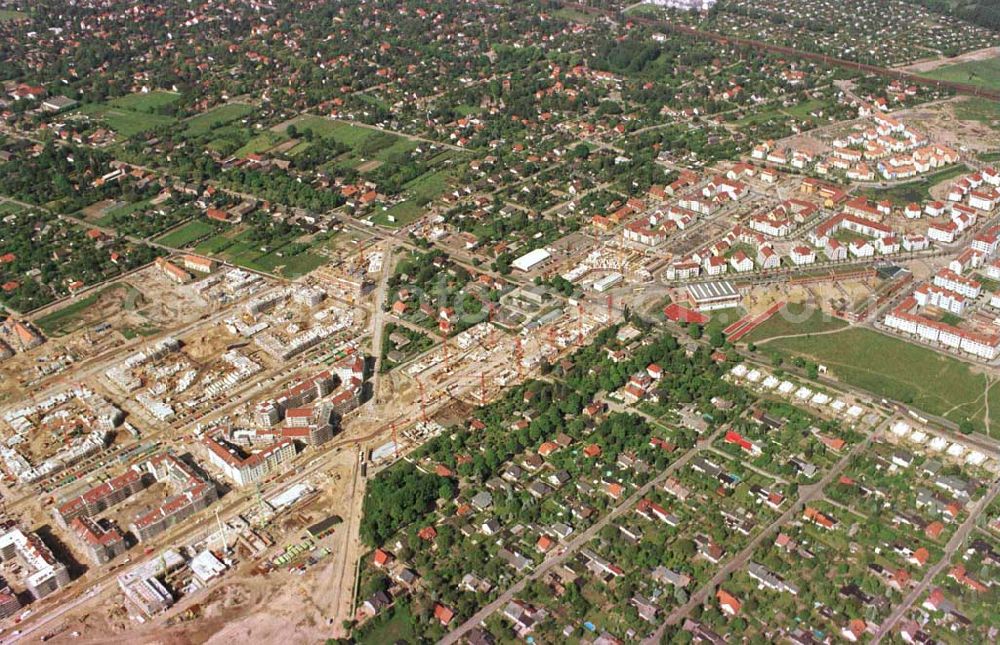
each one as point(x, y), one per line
point(561, 555)
point(378, 322)
point(954, 544)
point(807, 494)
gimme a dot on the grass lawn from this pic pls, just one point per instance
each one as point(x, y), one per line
point(290, 266)
point(400, 214)
point(260, 143)
point(149, 102)
point(896, 369)
point(126, 122)
point(9, 208)
point(981, 73)
point(394, 628)
point(915, 191)
point(795, 318)
point(802, 110)
point(61, 320)
point(421, 190)
point(234, 247)
point(722, 318)
point(145, 329)
point(365, 142)
point(64, 320)
point(350, 135)
point(215, 118)
point(188, 234)
point(8, 14)
point(766, 113)
point(125, 209)
point(978, 109)
point(573, 15)
point(217, 243)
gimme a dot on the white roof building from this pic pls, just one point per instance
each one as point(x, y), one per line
point(530, 260)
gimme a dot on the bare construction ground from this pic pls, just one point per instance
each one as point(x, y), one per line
point(934, 63)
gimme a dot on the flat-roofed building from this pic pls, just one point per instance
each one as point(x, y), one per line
point(531, 260)
point(708, 296)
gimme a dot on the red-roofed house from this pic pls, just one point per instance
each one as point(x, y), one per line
point(728, 603)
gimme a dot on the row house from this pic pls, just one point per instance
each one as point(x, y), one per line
point(644, 232)
point(950, 280)
point(697, 203)
point(681, 217)
point(902, 319)
point(929, 295)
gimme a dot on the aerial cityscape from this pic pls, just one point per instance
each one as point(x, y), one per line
point(490, 322)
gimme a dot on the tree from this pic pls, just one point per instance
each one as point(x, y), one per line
point(966, 426)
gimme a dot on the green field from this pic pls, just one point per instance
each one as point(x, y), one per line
point(981, 73)
point(893, 368)
point(573, 15)
point(7, 14)
point(421, 190)
point(915, 191)
point(185, 235)
point(395, 626)
point(8, 208)
point(108, 218)
point(234, 247)
point(795, 319)
point(366, 143)
point(67, 319)
point(149, 102)
point(260, 143)
point(978, 109)
point(216, 118)
point(126, 122)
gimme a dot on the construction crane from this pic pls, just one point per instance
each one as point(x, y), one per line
point(395, 439)
point(518, 358)
point(423, 401)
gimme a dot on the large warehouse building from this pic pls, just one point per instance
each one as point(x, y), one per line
point(708, 296)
